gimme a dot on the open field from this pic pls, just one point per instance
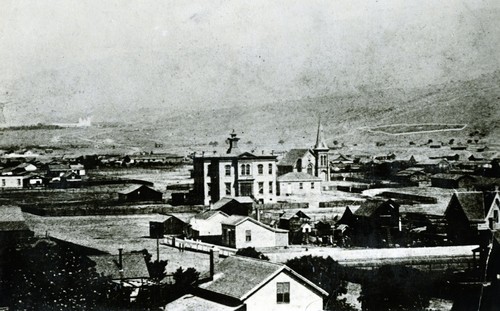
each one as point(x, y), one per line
point(108, 233)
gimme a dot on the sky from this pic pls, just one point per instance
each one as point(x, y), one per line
point(111, 58)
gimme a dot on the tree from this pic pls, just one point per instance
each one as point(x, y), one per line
point(251, 252)
point(327, 274)
point(157, 269)
point(49, 276)
point(395, 288)
point(185, 279)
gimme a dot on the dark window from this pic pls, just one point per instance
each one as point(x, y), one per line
point(312, 185)
point(261, 188)
point(270, 168)
point(495, 215)
point(301, 186)
point(247, 169)
point(260, 169)
point(310, 169)
point(283, 292)
point(299, 165)
point(270, 187)
point(3, 182)
point(246, 189)
point(228, 188)
point(242, 169)
point(228, 170)
point(248, 235)
point(209, 169)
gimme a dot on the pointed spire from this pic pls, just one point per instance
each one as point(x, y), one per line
point(320, 141)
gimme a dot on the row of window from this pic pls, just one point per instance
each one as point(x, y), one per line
point(260, 186)
point(4, 182)
point(245, 169)
point(301, 185)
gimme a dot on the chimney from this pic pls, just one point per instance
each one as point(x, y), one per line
point(233, 143)
point(214, 261)
point(120, 262)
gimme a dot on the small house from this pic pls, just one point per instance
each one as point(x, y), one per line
point(452, 181)
point(140, 193)
point(206, 226)
point(297, 183)
point(171, 225)
point(13, 227)
point(242, 232)
point(378, 223)
point(468, 213)
point(248, 284)
point(235, 205)
point(294, 222)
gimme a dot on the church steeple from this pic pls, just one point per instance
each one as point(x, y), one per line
point(320, 141)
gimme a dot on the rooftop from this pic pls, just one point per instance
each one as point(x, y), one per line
point(298, 176)
point(134, 266)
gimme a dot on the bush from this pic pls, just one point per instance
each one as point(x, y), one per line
point(251, 252)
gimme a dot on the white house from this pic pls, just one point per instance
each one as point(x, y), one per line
point(296, 183)
point(243, 231)
point(207, 223)
point(242, 283)
point(493, 213)
point(11, 181)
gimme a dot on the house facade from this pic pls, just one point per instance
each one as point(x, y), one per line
point(297, 160)
point(234, 174)
point(241, 232)
point(297, 183)
point(242, 283)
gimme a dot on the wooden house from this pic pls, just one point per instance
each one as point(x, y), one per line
point(297, 160)
point(242, 232)
point(297, 183)
point(347, 218)
point(409, 176)
point(246, 284)
point(13, 227)
point(469, 213)
point(235, 206)
point(293, 222)
point(140, 193)
point(206, 226)
point(378, 223)
point(452, 181)
point(171, 225)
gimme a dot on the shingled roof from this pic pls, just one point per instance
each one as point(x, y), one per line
point(134, 266)
point(240, 277)
point(369, 207)
point(12, 219)
point(297, 176)
point(472, 203)
point(292, 156)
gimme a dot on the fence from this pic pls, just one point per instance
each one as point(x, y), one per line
point(198, 246)
point(285, 205)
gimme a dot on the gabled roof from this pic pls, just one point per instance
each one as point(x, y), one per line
point(472, 204)
point(292, 156)
point(289, 215)
point(240, 277)
point(297, 176)
point(236, 220)
point(190, 302)
point(58, 167)
point(369, 207)
point(134, 188)
point(209, 214)
point(134, 266)
point(12, 219)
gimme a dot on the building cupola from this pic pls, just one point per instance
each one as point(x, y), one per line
point(233, 143)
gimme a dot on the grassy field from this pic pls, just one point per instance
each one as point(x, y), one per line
point(108, 233)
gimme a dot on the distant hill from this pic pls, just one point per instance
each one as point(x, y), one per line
point(475, 103)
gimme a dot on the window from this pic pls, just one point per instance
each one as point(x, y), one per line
point(228, 188)
point(495, 215)
point(247, 169)
point(310, 169)
point(261, 188)
point(270, 187)
point(242, 169)
point(283, 292)
point(209, 169)
point(301, 185)
point(312, 185)
point(19, 182)
point(3, 182)
point(228, 170)
point(270, 168)
point(260, 169)
point(248, 235)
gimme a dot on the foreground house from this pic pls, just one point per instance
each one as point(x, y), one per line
point(242, 232)
point(206, 226)
point(235, 206)
point(13, 227)
point(242, 283)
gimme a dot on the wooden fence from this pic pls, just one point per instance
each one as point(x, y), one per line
point(198, 246)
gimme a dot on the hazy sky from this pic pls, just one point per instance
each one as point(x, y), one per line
point(102, 56)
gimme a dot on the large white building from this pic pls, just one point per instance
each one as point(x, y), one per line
point(234, 174)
